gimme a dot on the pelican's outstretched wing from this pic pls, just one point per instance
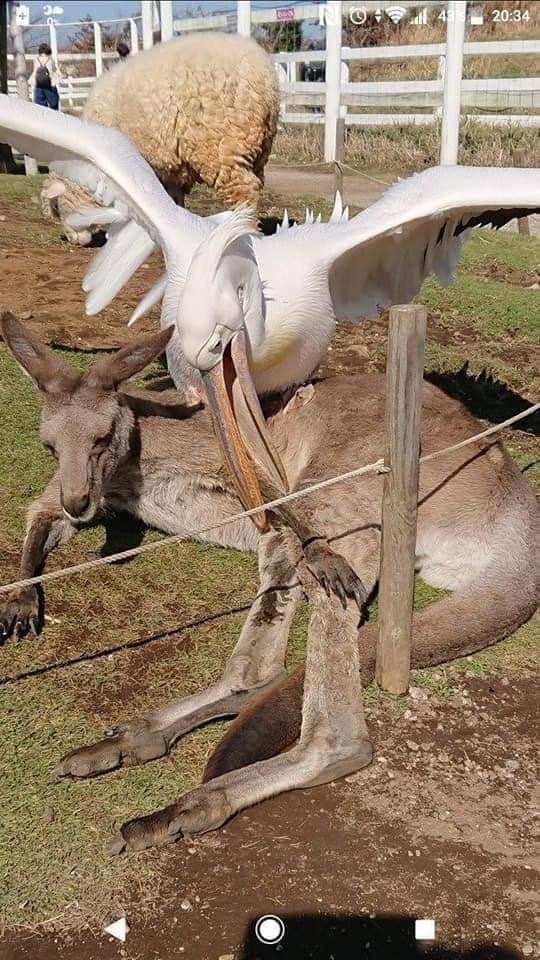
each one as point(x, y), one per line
point(383, 254)
point(417, 227)
point(106, 162)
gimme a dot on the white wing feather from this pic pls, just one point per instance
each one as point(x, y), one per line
point(94, 217)
point(127, 248)
point(107, 163)
point(417, 227)
point(154, 295)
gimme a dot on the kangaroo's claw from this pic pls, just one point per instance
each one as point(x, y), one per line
point(20, 613)
point(334, 573)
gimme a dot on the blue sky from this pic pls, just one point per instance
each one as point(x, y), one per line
point(112, 9)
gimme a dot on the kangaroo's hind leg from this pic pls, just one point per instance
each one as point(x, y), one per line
point(256, 663)
point(333, 739)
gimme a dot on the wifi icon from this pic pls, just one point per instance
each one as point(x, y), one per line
point(395, 13)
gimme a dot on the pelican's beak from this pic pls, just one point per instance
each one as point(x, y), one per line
point(242, 430)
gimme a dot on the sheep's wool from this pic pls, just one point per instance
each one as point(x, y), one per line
point(203, 108)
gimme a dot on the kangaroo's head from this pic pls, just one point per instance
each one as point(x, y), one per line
point(86, 423)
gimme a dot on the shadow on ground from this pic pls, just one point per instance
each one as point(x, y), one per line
point(122, 532)
point(485, 396)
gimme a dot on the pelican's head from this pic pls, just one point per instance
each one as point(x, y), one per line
point(220, 316)
point(222, 293)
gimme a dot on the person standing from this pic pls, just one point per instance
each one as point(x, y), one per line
point(44, 78)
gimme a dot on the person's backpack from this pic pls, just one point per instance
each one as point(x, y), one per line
point(43, 77)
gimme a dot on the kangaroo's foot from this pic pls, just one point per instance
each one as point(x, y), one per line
point(21, 612)
point(136, 743)
point(208, 807)
point(149, 738)
point(334, 573)
point(199, 811)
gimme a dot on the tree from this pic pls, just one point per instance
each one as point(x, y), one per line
point(83, 40)
point(281, 37)
point(7, 164)
point(17, 41)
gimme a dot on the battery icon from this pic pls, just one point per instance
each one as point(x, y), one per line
point(476, 18)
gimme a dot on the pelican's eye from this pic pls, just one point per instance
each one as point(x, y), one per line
point(215, 345)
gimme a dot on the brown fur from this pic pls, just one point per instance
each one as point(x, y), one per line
point(477, 520)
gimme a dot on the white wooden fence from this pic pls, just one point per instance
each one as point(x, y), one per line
point(509, 93)
point(338, 100)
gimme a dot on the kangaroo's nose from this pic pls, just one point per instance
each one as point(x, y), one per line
point(76, 505)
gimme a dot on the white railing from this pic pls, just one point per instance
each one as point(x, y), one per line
point(354, 103)
point(505, 93)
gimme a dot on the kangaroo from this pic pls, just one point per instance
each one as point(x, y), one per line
point(119, 448)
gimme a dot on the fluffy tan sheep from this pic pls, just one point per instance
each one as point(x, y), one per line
point(201, 109)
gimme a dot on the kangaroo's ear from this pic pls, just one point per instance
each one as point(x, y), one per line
point(49, 373)
point(109, 372)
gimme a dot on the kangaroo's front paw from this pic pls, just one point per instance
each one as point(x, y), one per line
point(334, 573)
point(203, 809)
point(21, 612)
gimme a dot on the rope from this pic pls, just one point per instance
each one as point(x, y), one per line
point(377, 467)
point(342, 163)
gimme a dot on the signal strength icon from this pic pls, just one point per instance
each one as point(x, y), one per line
point(395, 13)
point(421, 18)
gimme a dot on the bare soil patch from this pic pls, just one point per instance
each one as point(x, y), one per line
point(439, 826)
point(41, 282)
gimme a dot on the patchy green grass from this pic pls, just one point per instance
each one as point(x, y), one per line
point(493, 327)
point(15, 187)
point(23, 193)
point(120, 640)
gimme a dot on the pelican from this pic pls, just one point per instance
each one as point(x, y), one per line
point(260, 311)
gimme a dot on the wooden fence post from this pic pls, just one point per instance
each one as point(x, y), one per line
point(98, 48)
point(53, 38)
point(166, 18)
point(455, 36)
point(7, 163)
point(134, 37)
point(523, 222)
point(19, 54)
point(147, 24)
point(332, 79)
point(403, 416)
point(243, 18)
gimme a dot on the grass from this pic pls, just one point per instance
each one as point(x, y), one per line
point(492, 323)
point(122, 639)
point(426, 68)
point(410, 147)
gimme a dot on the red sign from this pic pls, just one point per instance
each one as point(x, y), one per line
point(285, 13)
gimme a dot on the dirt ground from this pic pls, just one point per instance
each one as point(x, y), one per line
point(440, 826)
point(359, 189)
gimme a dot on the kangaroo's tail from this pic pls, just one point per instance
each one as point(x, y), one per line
point(475, 616)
